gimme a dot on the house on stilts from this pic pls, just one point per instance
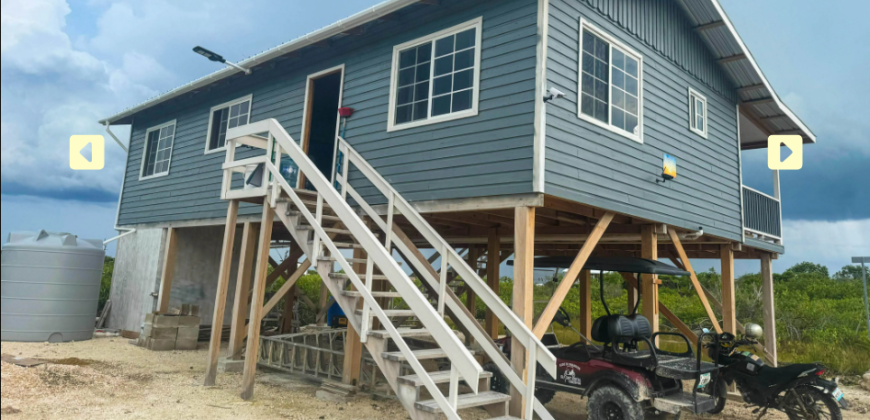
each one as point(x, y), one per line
point(501, 127)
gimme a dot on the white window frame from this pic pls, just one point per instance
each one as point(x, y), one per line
point(475, 99)
point(142, 177)
point(249, 98)
point(694, 95)
point(625, 49)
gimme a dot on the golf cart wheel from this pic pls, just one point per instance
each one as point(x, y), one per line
point(612, 403)
point(544, 395)
point(819, 406)
point(498, 383)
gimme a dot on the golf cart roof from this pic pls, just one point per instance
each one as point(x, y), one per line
point(620, 265)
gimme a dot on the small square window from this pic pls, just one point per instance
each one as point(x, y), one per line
point(697, 113)
point(157, 153)
point(224, 117)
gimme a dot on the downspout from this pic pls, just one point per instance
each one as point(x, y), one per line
point(127, 231)
point(109, 130)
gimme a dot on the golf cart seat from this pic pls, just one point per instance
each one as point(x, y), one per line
point(621, 329)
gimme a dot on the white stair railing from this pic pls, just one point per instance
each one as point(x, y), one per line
point(538, 352)
point(279, 143)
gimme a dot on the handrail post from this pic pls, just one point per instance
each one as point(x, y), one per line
point(453, 397)
point(276, 191)
point(366, 316)
point(345, 169)
point(442, 286)
point(531, 372)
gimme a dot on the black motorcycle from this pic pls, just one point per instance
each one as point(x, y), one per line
point(797, 390)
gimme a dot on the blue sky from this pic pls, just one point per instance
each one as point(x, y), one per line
point(66, 64)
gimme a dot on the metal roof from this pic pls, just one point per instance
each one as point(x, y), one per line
point(338, 28)
point(759, 102)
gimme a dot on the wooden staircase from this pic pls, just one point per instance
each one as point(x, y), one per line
point(326, 227)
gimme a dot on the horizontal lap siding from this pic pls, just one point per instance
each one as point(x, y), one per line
point(490, 154)
point(591, 165)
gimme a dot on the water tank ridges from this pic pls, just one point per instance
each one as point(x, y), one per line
point(50, 286)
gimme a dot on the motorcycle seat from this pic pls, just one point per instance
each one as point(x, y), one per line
point(769, 376)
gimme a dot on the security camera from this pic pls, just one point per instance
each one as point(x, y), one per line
point(554, 94)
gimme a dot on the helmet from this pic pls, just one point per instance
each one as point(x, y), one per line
point(754, 331)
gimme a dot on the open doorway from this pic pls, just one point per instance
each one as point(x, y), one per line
point(320, 125)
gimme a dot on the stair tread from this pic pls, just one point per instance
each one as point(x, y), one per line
point(404, 332)
point(393, 312)
point(437, 377)
point(353, 293)
point(506, 418)
point(467, 401)
point(351, 260)
point(419, 354)
point(343, 276)
point(342, 245)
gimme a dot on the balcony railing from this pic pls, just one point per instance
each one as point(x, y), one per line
point(762, 215)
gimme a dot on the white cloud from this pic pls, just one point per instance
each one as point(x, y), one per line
point(52, 90)
point(33, 40)
point(829, 243)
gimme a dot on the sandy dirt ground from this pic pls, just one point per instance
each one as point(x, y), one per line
point(111, 379)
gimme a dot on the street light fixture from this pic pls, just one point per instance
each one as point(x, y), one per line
point(862, 261)
point(217, 58)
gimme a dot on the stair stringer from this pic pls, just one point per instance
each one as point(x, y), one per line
point(376, 347)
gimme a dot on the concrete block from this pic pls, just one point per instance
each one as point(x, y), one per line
point(166, 321)
point(161, 345)
point(185, 309)
point(149, 318)
point(188, 333)
point(147, 330)
point(186, 344)
point(188, 321)
point(231, 366)
point(194, 310)
point(158, 333)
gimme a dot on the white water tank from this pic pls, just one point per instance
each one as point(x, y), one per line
point(50, 287)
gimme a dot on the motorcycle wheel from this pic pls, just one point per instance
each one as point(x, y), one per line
point(544, 395)
point(721, 397)
point(819, 406)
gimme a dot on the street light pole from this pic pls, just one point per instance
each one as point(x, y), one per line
point(862, 261)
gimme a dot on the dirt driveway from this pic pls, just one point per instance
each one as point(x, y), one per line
point(110, 379)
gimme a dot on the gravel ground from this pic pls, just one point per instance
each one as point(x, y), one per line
point(111, 379)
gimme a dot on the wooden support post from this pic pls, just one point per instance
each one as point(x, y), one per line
point(681, 326)
point(523, 295)
point(170, 250)
point(493, 262)
point(290, 298)
point(252, 352)
point(243, 287)
point(632, 299)
point(571, 276)
point(586, 303)
point(353, 350)
point(767, 298)
point(729, 304)
point(675, 238)
point(221, 298)
point(649, 285)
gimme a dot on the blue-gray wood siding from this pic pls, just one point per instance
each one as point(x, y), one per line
point(592, 165)
point(486, 155)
